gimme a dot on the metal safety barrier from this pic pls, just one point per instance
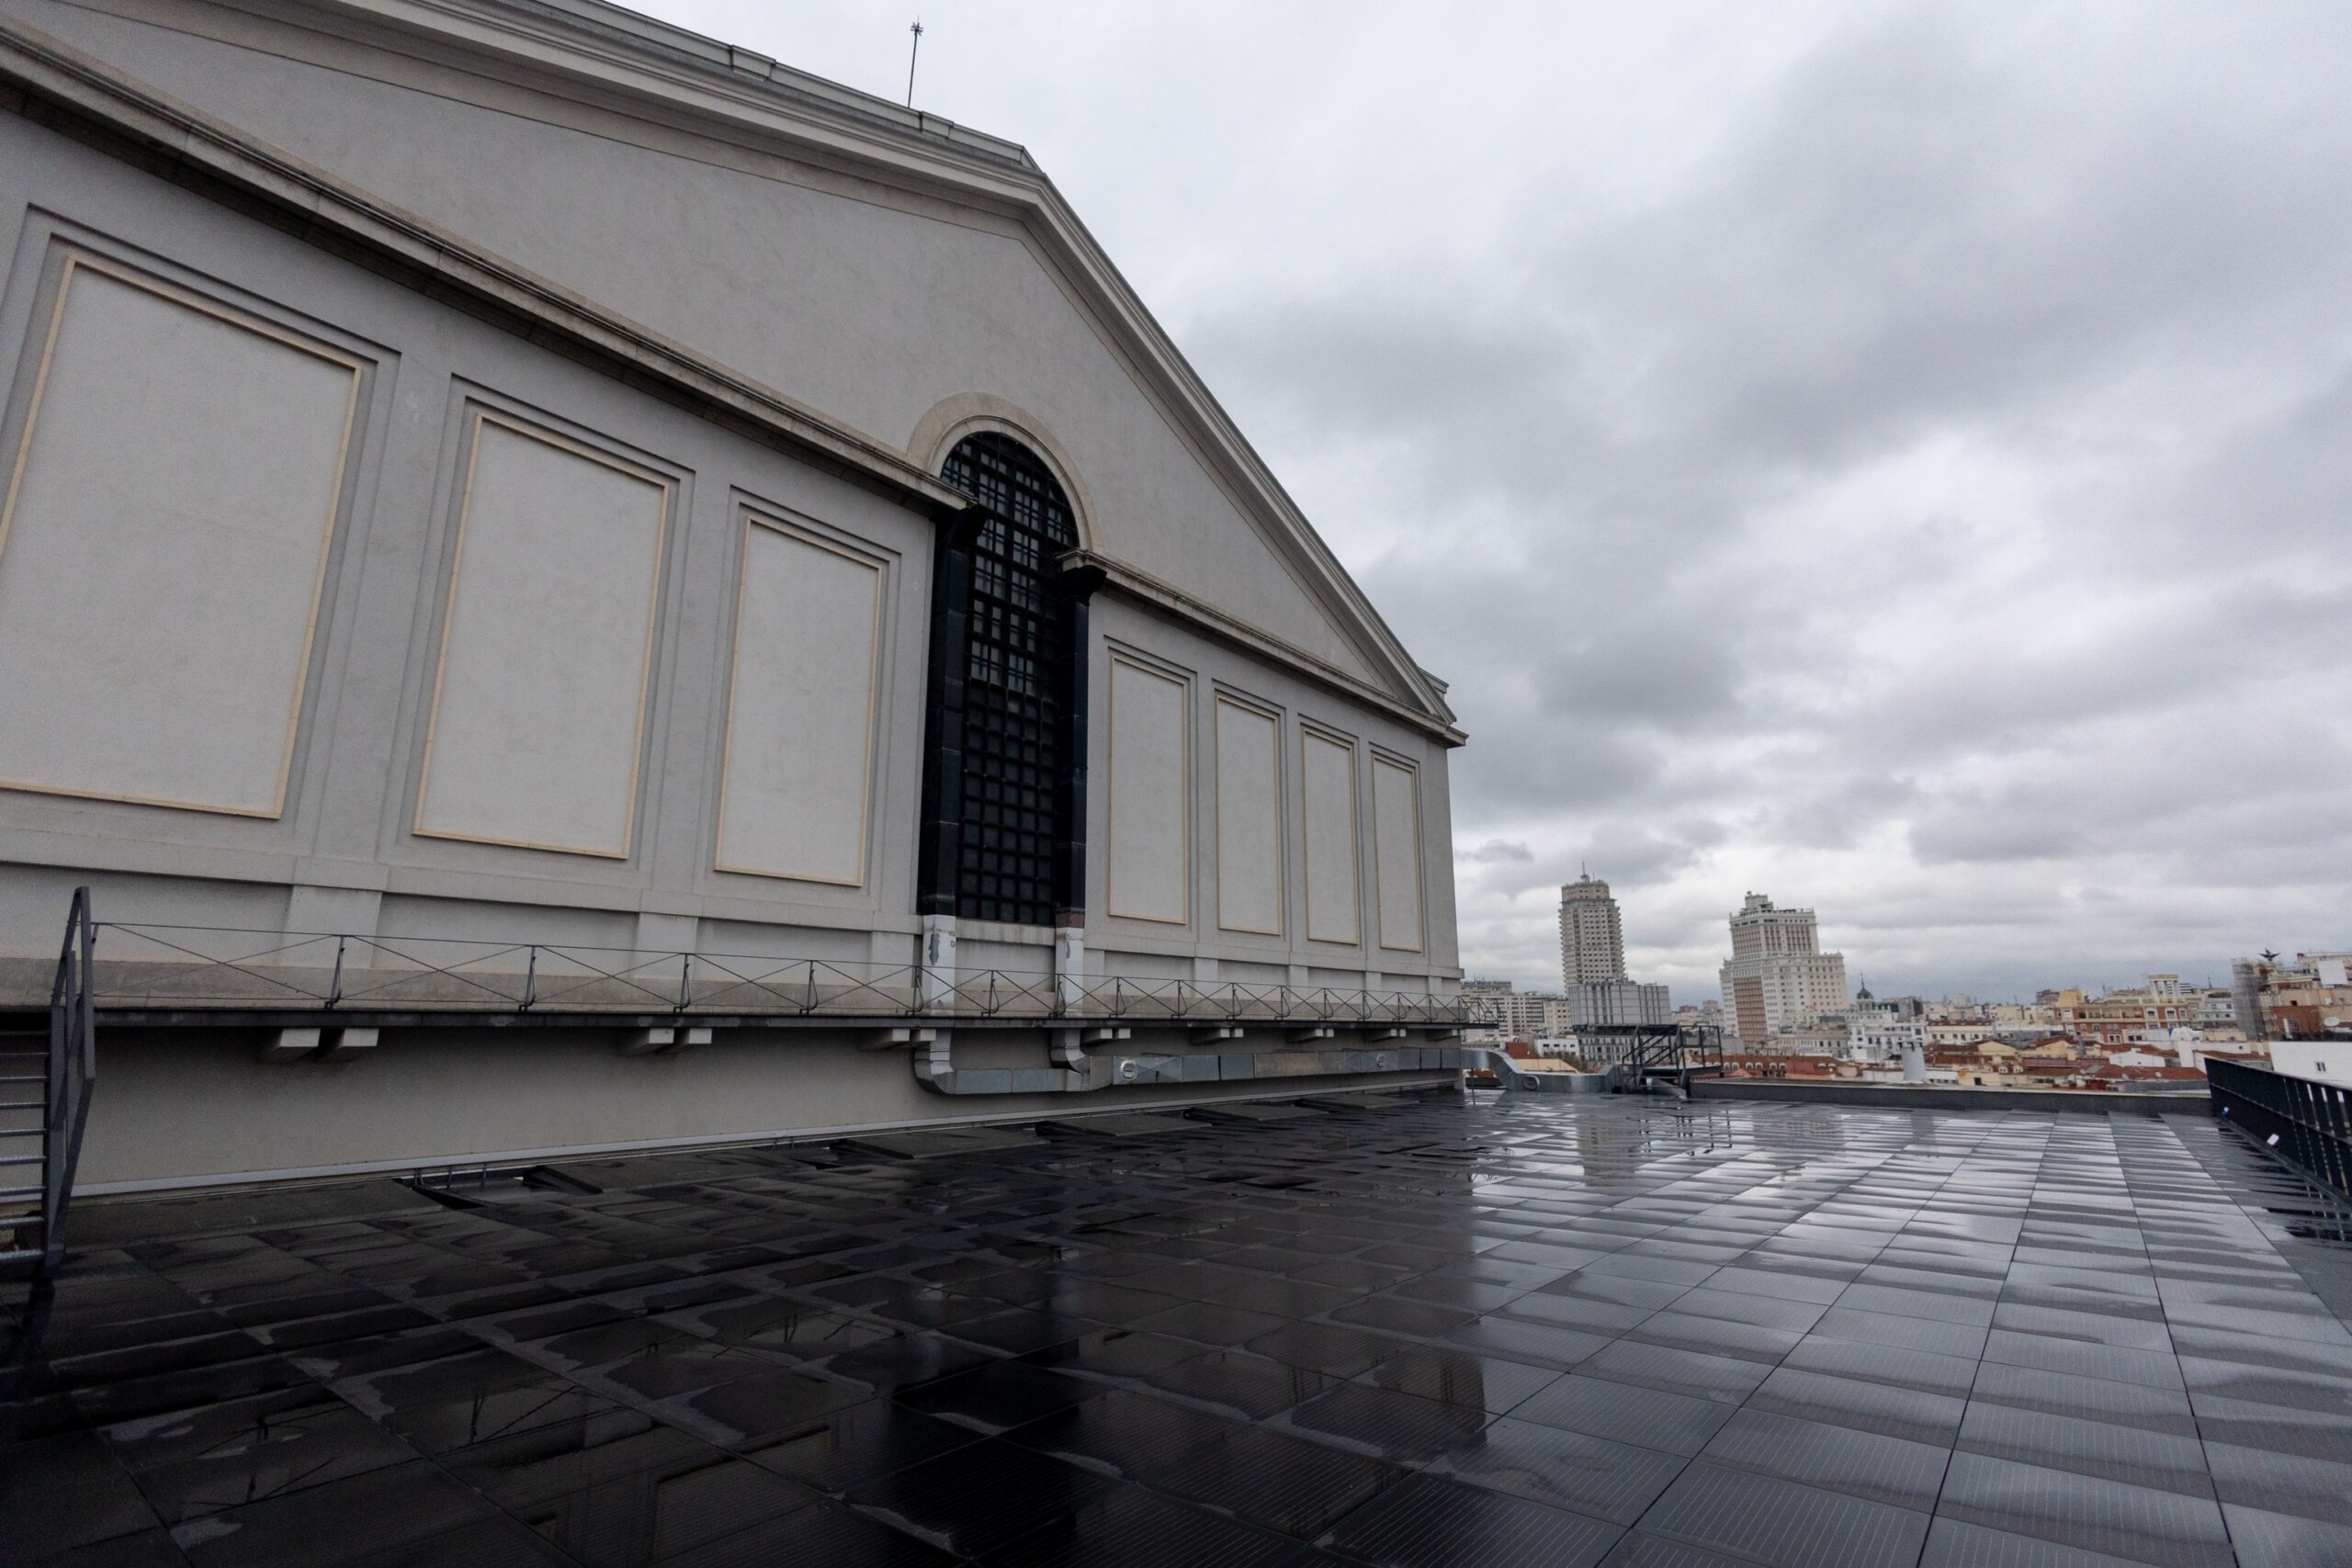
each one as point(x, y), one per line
point(47, 1069)
point(2307, 1124)
point(195, 969)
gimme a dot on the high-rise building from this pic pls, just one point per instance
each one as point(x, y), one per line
point(1509, 1014)
point(1592, 936)
point(1595, 1002)
point(1778, 978)
point(1592, 961)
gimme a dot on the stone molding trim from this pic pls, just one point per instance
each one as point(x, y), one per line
point(67, 262)
point(1117, 577)
point(968, 413)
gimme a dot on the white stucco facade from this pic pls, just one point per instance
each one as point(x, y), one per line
point(2321, 1061)
point(481, 515)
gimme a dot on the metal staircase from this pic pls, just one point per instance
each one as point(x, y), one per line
point(1673, 1054)
point(47, 1061)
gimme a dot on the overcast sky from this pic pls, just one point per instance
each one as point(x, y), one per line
point(1892, 456)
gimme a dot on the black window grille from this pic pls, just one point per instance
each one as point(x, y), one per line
point(1009, 807)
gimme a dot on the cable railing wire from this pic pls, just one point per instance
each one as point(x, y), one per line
point(189, 967)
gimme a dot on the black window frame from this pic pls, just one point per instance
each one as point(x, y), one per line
point(1004, 774)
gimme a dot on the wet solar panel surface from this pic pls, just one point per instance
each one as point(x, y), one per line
point(1450, 1331)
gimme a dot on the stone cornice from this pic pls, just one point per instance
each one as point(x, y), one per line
point(1100, 573)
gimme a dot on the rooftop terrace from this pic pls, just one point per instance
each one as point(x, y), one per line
point(1494, 1329)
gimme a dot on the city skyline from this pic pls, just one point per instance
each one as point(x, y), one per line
point(1691, 965)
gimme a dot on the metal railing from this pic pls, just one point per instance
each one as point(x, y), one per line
point(68, 1067)
point(2308, 1125)
point(1647, 1050)
point(72, 1071)
point(1679, 1051)
point(212, 968)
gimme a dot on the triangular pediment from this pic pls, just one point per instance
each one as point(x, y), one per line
point(873, 264)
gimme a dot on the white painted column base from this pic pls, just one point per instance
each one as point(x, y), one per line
point(935, 971)
point(1070, 967)
point(663, 1042)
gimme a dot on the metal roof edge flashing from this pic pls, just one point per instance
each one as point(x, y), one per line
point(697, 50)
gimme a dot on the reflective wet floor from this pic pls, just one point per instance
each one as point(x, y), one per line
point(1446, 1330)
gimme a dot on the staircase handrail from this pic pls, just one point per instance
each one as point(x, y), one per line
point(72, 1068)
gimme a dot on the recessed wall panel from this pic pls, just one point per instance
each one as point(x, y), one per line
point(163, 544)
point(1150, 790)
point(539, 701)
point(1396, 854)
point(1327, 789)
point(1249, 819)
point(800, 709)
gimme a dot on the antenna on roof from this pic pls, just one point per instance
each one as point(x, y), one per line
point(912, 51)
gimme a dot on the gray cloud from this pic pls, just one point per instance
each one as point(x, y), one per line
point(1637, 672)
point(1894, 457)
point(1965, 832)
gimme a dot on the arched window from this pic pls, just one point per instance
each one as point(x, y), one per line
point(1004, 781)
